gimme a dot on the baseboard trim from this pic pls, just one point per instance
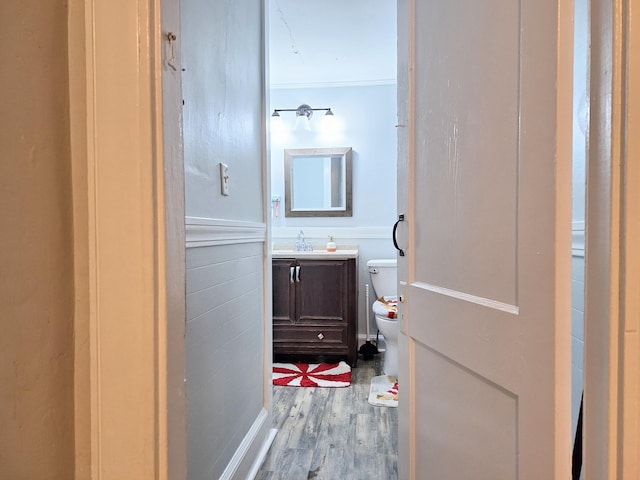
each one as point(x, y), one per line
point(243, 461)
point(262, 454)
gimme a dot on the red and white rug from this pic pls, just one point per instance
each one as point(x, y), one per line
point(383, 391)
point(329, 375)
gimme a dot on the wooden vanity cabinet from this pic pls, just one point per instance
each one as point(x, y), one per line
point(314, 310)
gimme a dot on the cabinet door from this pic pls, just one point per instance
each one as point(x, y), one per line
point(284, 309)
point(322, 291)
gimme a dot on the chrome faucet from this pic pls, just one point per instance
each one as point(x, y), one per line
point(301, 245)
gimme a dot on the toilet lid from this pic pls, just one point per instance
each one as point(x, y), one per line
point(386, 307)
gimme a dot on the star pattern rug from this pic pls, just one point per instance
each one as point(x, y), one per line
point(328, 375)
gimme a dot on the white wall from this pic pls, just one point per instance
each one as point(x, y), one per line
point(366, 117)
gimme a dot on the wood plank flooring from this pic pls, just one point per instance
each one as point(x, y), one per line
point(333, 433)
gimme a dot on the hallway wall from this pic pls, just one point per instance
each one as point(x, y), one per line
point(36, 258)
point(228, 411)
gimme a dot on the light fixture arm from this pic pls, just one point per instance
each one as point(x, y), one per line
point(303, 110)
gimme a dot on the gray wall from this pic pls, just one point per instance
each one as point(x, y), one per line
point(366, 117)
point(222, 88)
point(223, 91)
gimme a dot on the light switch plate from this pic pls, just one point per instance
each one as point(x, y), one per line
point(224, 179)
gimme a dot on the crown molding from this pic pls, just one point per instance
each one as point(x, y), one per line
point(354, 83)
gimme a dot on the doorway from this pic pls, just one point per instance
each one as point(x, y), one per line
point(341, 56)
point(144, 424)
point(580, 76)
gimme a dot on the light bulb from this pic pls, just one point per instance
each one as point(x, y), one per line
point(302, 123)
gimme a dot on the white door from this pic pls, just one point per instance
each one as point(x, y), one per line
point(484, 176)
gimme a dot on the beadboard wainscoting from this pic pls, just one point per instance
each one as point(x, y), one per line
point(228, 420)
point(577, 320)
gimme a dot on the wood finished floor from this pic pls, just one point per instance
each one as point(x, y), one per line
point(333, 433)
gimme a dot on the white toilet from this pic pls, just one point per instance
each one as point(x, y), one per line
point(384, 277)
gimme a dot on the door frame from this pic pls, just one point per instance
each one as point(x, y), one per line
point(612, 321)
point(128, 241)
point(102, 190)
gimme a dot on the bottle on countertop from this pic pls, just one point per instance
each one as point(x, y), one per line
point(331, 245)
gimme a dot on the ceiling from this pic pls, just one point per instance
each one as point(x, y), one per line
point(332, 42)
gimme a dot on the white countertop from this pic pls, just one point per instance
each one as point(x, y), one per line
point(340, 254)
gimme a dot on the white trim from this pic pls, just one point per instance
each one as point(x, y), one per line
point(204, 232)
point(577, 239)
point(606, 366)
point(340, 233)
point(630, 289)
point(354, 83)
point(267, 298)
point(630, 285)
point(466, 297)
point(119, 222)
point(248, 442)
point(262, 454)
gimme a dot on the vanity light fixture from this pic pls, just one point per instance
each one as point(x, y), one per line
point(303, 114)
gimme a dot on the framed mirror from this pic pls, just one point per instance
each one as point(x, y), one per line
point(317, 182)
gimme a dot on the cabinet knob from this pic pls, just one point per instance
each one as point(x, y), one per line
point(320, 336)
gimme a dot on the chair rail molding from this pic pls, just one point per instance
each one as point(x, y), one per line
point(204, 232)
point(577, 238)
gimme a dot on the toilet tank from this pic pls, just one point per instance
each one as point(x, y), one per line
point(384, 276)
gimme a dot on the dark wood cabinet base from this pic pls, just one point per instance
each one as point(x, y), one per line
point(314, 310)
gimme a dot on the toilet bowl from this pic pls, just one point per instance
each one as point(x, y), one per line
point(386, 320)
point(384, 276)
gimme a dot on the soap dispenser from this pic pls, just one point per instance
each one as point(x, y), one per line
point(331, 245)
